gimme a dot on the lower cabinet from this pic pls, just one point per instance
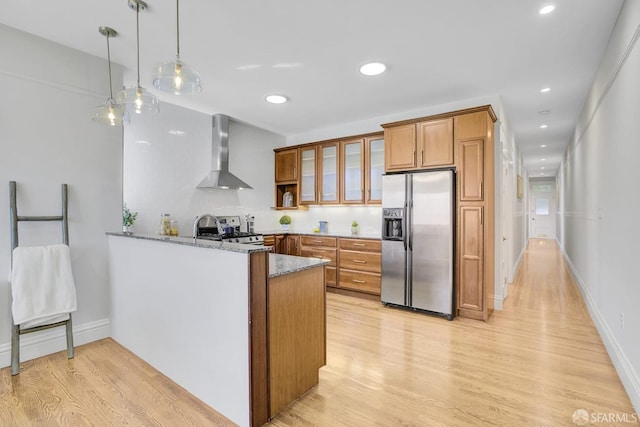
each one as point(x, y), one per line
point(360, 264)
point(471, 293)
point(322, 247)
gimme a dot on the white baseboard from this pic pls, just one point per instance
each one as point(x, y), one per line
point(516, 265)
point(498, 303)
point(42, 343)
point(625, 370)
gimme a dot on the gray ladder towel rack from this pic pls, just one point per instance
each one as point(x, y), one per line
point(16, 331)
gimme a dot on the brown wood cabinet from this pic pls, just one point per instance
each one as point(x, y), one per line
point(435, 143)
point(471, 172)
point(352, 171)
point(400, 148)
point(293, 245)
point(339, 171)
point(321, 247)
point(474, 156)
point(286, 165)
point(420, 145)
point(360, 265)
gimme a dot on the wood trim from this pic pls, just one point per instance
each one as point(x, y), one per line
point(356, 294)
point(327, 141)
point(487, 108)
point(258, 340)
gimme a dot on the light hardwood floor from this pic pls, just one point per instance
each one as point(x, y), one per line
point(533, 363)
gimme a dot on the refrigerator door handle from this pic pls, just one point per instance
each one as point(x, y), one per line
point(404, 227)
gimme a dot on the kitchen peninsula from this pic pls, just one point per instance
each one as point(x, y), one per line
point(240, 328)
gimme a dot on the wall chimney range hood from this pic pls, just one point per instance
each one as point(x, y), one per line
point(220, 177)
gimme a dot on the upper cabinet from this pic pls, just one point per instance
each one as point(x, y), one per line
point(329, 178)
point(400, 147)
point(345, 171)
point(419, 145)
point(374, 168)
point(287, 165)
point(352, 160)
point(308, 175)
point(435, 143)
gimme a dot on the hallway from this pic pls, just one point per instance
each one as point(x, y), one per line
point(534, 363)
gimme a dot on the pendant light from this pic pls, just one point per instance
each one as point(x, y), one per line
point(175, 76)
point(110, 113)
point(138, 98)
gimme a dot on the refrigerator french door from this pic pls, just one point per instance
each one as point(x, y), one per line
point(417, 241)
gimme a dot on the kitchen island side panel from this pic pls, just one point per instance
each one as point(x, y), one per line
point(185, 311)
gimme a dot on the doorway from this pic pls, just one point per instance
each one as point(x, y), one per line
point(542, 208)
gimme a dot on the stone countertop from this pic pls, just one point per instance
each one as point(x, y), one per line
point(189, 241)
point(370, 236)
point(280, 265)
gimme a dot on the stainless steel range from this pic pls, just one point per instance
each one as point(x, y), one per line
point(224, 229)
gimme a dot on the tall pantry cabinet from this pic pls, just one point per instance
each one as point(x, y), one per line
point(462, 140)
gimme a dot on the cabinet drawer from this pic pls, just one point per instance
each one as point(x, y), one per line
point(363, 261)
point(318, 241)
point(359, 281)
point(361, 245)
point(326, 253)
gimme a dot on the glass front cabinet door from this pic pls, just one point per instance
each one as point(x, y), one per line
point(374, 168)
point(329, 178)
point(308, 189)
point(352, 158)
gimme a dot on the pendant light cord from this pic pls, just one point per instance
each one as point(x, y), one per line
point(177, 29)
point(138, 38)
point(109, 61)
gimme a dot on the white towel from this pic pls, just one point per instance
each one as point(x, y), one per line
point(42, 285)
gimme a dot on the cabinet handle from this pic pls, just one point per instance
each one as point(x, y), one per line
point(358, 244)
point(481, 217)
point(357, 261)
point(358, 281)
point(295, 172)
point(480, 189)
point(421, 156)
point(317, 241)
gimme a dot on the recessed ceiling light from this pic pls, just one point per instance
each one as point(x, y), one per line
point(541, 173)
point(542, 167)
point(543, 126)
point(276, 99)
point(547, 9)
point(373, 68)
point(545, 90)
point(542, 160)
point(543, 112)
point(176, 132)
point(543, 146)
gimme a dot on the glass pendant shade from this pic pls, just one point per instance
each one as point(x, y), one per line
point(110, 113)
point(138, 100)
point(178, 78)
point(175, 76)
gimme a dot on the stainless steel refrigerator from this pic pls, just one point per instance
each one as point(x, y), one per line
point(418, 240)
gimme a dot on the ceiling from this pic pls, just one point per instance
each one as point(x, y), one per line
point(436, 53)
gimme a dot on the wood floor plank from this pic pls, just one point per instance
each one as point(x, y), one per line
point(532, 364)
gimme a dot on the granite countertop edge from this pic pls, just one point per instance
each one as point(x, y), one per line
point(189, 241)
point(367, 236)
point(280, 265)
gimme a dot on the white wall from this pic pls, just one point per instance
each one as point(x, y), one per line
point(47, 138)
point(598, 181)
point(162, 169)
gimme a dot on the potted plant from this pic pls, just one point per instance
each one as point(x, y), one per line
point(285, 220)
point(128, 218)
point(354, 227)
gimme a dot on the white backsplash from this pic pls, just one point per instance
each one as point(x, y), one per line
point(166, 157)
point(339, 219)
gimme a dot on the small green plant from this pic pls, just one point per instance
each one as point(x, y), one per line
point(128, 217)
point(354, 223)
point(285, 220)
